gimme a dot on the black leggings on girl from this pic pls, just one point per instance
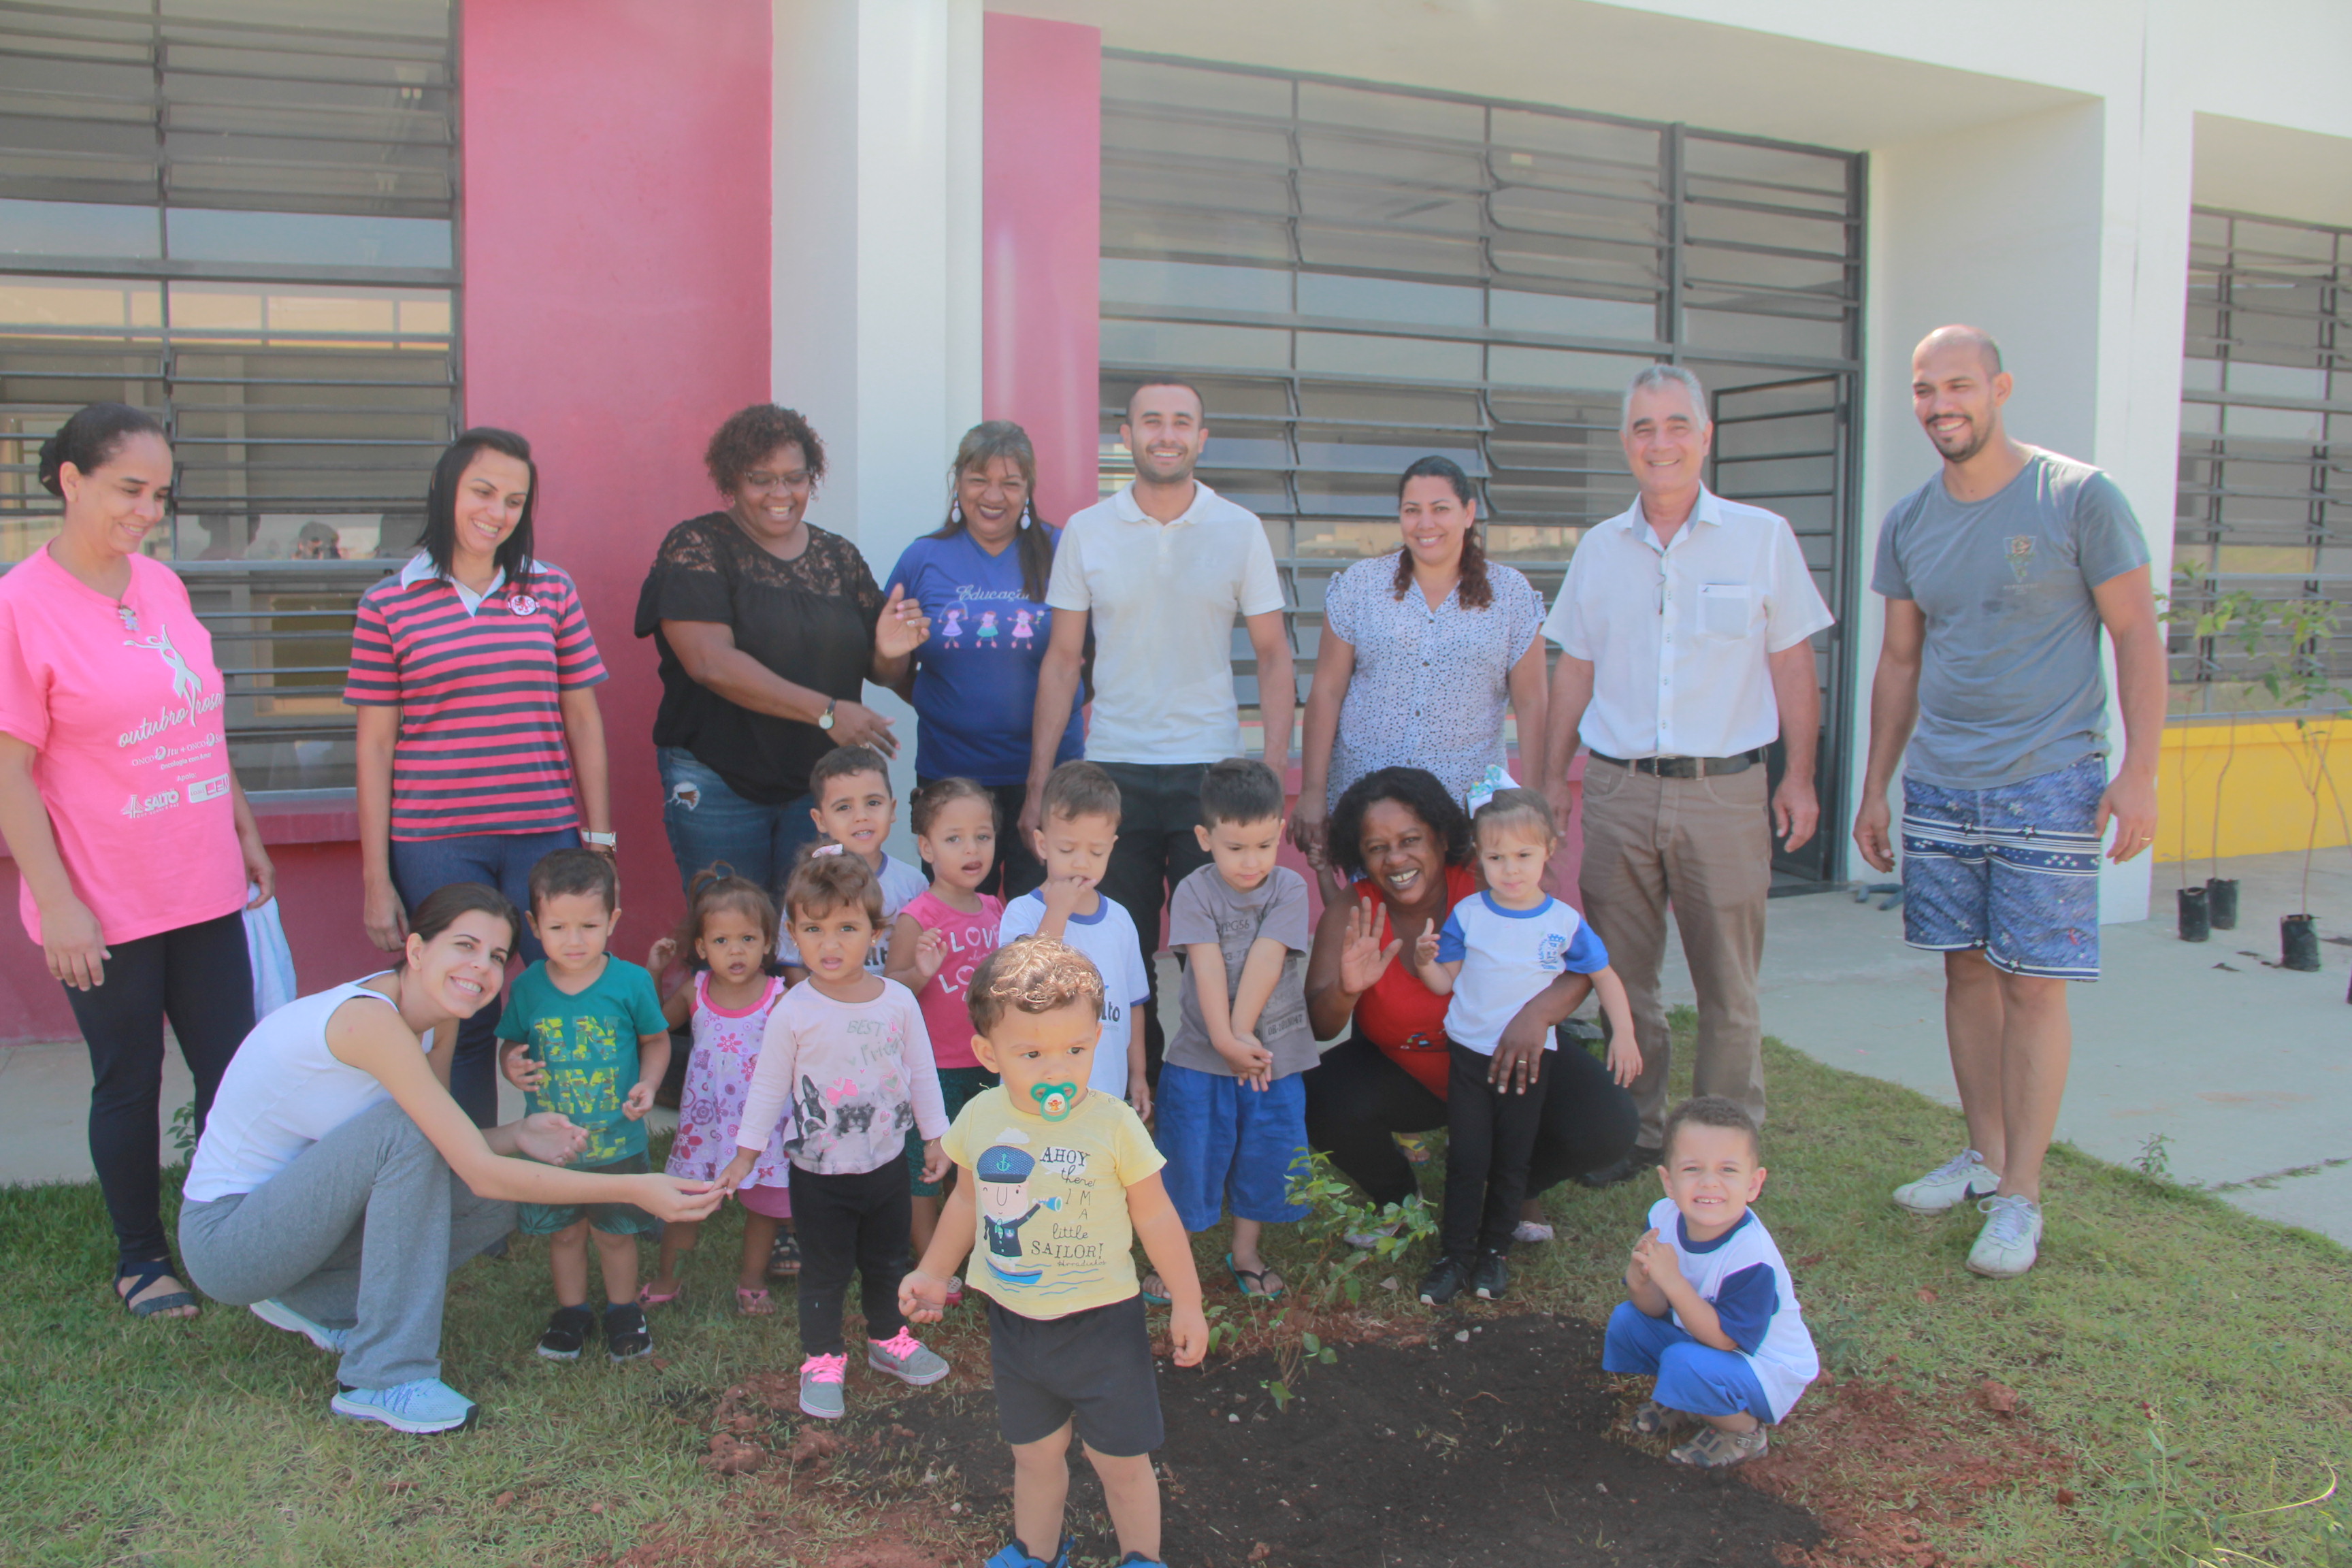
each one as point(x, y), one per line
point(1357, 1096)
point(851, 1224)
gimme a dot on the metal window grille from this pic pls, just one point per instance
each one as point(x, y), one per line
point(2265, 490)
point(1356, 276)
point(240, 214)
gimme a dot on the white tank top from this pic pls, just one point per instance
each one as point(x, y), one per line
point(283, 1092)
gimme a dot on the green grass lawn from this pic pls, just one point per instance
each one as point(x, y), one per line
point(2157, 1314)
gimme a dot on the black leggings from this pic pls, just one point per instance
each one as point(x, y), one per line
point(199, 977)
point(1490, 1139)
point(849, 1224)
point(1357, 1096)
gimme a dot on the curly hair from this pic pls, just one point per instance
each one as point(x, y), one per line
point(750, 435)
point(822, 883)
point(1415, 789)
point(1034, 974)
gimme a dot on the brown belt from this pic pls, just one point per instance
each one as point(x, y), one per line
point(1684, 767)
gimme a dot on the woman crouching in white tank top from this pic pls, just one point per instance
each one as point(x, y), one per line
point(337, 1184)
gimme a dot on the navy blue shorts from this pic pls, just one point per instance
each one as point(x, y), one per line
point(1226, 1143)
point(1092, 1369)
point(2013, 870)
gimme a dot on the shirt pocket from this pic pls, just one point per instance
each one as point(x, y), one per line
point(1724, 609)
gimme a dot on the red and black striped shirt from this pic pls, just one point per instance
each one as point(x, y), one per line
point(481, 747)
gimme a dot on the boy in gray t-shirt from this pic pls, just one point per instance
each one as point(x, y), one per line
point(1232, 1106)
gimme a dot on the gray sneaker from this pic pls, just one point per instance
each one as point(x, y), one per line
point(821, 1385)
point(2010, 1240)
point(1713, 1449)
point(278, 1315)
point(904, 1357)
point(1958, 1180)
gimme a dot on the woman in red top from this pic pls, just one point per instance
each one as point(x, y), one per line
point(1406, 844)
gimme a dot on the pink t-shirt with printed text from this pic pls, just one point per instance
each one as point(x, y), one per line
point(971, 937)
point(133, 759)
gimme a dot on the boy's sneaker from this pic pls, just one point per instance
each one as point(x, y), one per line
point(2010, 1240)
point(626, 1335)
point(1948, 1185)
point(821, 1378)
point(278, 1315)
point(1445, 1281)
point(1015, 1556)
point(1491, 1280)
point(905, 1357)
point(1713, 1449)
point(1655, 1420)
point(567, 1333)
point(427, 1405)
point(784, 1257)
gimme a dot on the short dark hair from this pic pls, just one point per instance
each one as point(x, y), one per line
point(750, 435)
point(514, 553)
point(1415, 789)
point(442, 908)
point(1710, 1111)
point(1150, 380)
point(822, 883)
point(1032, 974)
point(562, 873)
point(848, 762)
point(925, 803)
point(1239, 789)
point(90, 437)
point(1079, 789)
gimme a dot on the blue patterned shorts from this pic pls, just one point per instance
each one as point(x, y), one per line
point(2013, 870)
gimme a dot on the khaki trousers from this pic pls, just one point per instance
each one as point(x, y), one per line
point(1705, 845)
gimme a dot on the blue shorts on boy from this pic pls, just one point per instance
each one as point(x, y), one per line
point(1743, 1276)
point(1108, 939)
point(1507, 957)
point(586, 1040)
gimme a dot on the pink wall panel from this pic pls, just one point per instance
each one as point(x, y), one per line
point(1041, 185)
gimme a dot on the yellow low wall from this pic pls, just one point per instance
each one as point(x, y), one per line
point(2264, 806)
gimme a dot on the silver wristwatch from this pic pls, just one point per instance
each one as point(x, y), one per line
point(600, 840)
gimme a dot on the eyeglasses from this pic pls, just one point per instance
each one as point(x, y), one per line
point(798, 479)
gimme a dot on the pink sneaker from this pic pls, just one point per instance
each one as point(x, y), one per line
point(821, 1385)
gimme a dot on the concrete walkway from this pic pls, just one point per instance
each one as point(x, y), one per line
point(2243, 1069)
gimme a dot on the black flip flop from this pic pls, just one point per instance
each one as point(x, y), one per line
point(142, 1275)
point(1251, 1282)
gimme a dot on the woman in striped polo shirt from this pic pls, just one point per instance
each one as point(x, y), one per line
point(480, 745)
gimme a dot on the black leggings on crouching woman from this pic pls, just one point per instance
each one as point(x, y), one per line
point(1357, 1096)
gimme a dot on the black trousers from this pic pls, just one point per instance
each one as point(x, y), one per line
point(1357, 1096)
point(1490, 1135)
point(851, 1224)
point(1017, 868)
point(1159, 809)
point(200, 978)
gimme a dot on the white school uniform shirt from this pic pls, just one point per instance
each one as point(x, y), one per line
point(1163, 597)
point(1507, 957)
point(1742, 1276)
point(901, 885)
point(1108, 939)
point(1679, 634)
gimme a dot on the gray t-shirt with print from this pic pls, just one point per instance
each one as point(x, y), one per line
point(2010, 683)
point(1207, 909)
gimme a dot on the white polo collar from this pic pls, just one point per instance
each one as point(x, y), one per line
point(1707, 508)
point(1123, 502)
point(420, 567)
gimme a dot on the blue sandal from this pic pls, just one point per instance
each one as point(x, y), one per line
point(1251, 1282)
point(141, 1274)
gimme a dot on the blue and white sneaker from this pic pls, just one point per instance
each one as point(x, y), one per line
point(278, 1315)
point(425, 1405)
point(1015, 1556)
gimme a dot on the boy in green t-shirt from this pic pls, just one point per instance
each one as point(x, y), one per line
point(1055, 1182)
point(588, 1040)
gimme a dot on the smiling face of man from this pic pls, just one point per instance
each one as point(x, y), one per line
point(1666, 438)
point(1957, 389)
point(1165, 430)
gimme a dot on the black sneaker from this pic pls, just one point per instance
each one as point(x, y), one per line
point(1633, 1164)
point(1443, 1282)
point(627, 1337)
point(567, 1333)
point(1491, 1280)
point(784, 1257)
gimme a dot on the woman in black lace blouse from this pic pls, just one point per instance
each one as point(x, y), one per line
point(767, 630)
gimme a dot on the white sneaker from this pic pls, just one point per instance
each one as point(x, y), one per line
point(2010, 1240)
point(1532, 1232)
point(1950, 1184)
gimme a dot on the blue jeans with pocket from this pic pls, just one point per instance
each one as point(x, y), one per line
point(709, 824)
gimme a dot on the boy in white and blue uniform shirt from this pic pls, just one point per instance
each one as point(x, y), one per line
point(1712, 1312)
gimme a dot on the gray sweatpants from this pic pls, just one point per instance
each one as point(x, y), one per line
point(360, 1231)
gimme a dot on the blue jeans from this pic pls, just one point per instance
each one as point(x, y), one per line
point(708, 823)
point(422, 867)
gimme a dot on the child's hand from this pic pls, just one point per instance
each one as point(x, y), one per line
point(935, 1161)
point(1064, 894)
point(1424, 948)
point(930, 955)
point(923, 1298)
point(520, 1070)
point(1625, 1059)
point(1252, 1063)
point(1655, 1258)
point(661, 955)
point(1138, 1094)
point(737, 1169)
point(640, 1101)
point(1188, 1333)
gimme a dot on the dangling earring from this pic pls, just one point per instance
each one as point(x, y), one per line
point(955, 513)
point(1024, 514)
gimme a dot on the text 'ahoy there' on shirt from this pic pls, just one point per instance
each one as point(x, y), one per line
point(2010, 684)
point(1679, 636)
point(132, 755)
point(1108, 939)
point(1053, 1233)
point(587, 1042)
point(976, 673)
point(1163, 597)
point(1508, 956)
point(853, 1076)
point(1741, 1275)
point(478, 682)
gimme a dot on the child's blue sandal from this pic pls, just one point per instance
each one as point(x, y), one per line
point(1015, 1556)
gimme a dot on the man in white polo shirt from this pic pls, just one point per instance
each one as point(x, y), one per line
point(1160, 570)
point(1683, 629)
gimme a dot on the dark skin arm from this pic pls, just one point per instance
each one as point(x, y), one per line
point(1518, 1059)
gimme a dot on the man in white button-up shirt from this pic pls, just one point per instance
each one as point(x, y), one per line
point(1684, 631)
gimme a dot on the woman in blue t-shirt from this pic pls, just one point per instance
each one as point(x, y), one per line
point(974, 682)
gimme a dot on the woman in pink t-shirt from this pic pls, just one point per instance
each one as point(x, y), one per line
point(133, 844)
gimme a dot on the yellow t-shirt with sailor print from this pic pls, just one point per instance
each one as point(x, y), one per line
point(1053, 1236)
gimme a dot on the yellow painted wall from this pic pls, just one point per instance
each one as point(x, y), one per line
point(2265, 807)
